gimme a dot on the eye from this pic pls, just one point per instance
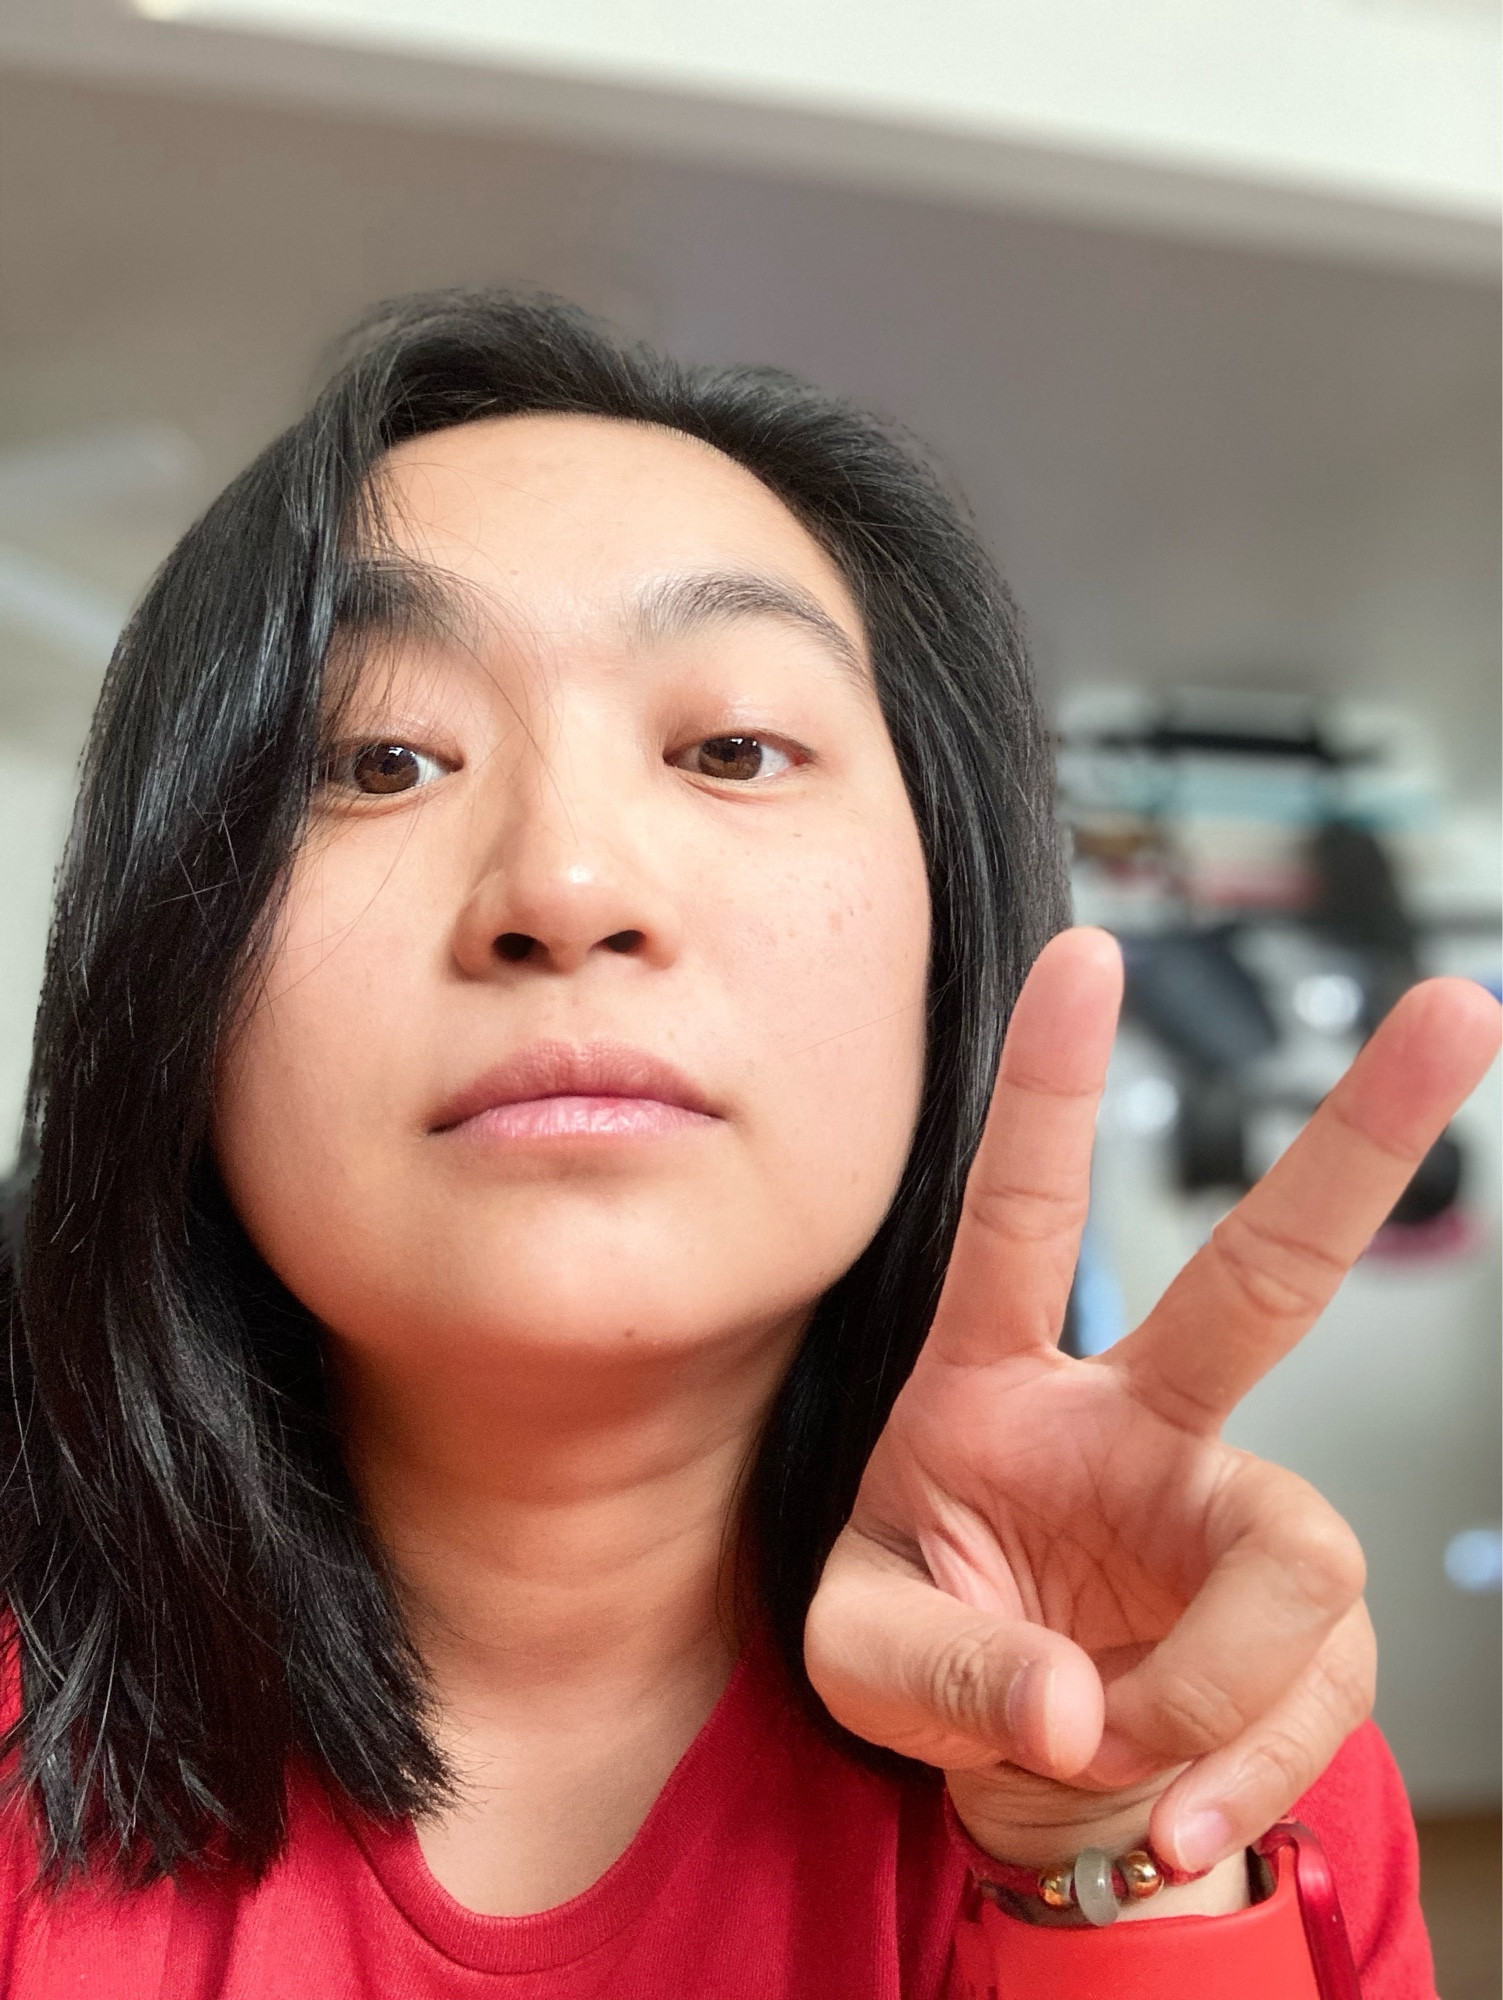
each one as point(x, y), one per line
point(377, 769)
point(737, 758)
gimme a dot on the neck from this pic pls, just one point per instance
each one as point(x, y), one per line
point(562, 1536)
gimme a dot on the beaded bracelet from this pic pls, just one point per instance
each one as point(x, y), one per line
point(1093, 1883)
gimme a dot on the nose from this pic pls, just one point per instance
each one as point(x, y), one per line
point(564, 881)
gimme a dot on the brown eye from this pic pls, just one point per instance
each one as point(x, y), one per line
point(386, 767)
point(737, 757)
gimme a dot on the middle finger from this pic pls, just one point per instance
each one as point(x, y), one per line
point(1274, 1263)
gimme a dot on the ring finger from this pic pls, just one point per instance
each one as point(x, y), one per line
point(1230, 1798)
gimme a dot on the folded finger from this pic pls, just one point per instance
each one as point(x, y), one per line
point(905, 1665)
point(1285, 1571)
point(1230, 1799)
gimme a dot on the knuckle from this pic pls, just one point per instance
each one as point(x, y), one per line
point(1273, 1274)
point(962, 1687)
point(1349, 1676)
point(1323, 1558)
point(1339, 1564)
point(1364, 1131)
point(828, 1649)
point(822, 1629)
point(1193, 1717)
point(1186, 1405)
point(1014, 1213)
point(1278, 1767)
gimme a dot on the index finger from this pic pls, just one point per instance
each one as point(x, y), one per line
point(1028, 1188)
point(1272, 1266)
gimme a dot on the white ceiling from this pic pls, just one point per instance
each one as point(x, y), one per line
point(1361, 128)
point(1193, 461)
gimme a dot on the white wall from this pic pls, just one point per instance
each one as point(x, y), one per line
point(35, 793)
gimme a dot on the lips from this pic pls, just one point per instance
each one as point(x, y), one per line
point(592, 1071)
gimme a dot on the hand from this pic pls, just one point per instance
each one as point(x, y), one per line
point(1058, 1584)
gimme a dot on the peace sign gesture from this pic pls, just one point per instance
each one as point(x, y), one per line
point(1058, 1583)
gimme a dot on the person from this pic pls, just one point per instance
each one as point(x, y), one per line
point(536, 1459)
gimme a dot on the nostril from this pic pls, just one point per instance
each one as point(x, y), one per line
point(623, 941)
point(514, 946)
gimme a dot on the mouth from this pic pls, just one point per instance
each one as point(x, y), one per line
point(565, 1090)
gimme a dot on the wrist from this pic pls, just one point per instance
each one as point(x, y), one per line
point(1221, 1893)
point(1025, 1852)
point(1034, 1823)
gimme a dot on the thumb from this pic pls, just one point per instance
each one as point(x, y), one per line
point(903, 1664)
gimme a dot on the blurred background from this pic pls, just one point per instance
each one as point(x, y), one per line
point(1198, 303)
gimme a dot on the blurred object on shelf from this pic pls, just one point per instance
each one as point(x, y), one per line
point(1355, 902)
point(1208, 1012)
point(1199, 803)
point(1199, 999)
point(1249, 848)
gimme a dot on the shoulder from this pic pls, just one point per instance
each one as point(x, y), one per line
point(87, 1936)
point(57, 1942)
point(1360, 1811)
point(18, 1845)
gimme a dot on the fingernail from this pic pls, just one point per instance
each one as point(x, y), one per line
point(1119, 1762)
point(1027, 1709)
point(1202, 1840)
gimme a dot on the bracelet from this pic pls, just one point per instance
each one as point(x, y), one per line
point(1291, 1944)
point(1093, 1883)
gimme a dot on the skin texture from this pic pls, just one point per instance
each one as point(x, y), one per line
point(554, 1353)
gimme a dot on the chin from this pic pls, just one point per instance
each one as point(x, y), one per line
point(607, 1307)
point(627, 1275)
point(531, 1302)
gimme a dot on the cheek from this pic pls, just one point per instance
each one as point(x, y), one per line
point(831, 984)
point(303, 1099)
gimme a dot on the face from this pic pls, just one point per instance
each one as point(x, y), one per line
point(592, 1028)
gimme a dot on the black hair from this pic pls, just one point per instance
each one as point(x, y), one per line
point(193, 1596)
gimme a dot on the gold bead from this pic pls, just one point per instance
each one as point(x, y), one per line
point(1140, 1874)
point(1057, 1887)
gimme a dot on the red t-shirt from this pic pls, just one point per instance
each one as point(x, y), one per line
point(772, 1867)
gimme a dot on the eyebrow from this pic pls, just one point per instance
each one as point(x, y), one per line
point(392, 598)
point(389, 597)
point(677, 605)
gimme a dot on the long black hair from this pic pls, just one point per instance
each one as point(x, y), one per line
point(192, 1594)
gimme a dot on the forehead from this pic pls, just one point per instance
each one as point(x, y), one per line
point(549, 504)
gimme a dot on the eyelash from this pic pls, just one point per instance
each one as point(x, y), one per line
point(344, 761)
point(763, 745)
point(390, 760)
